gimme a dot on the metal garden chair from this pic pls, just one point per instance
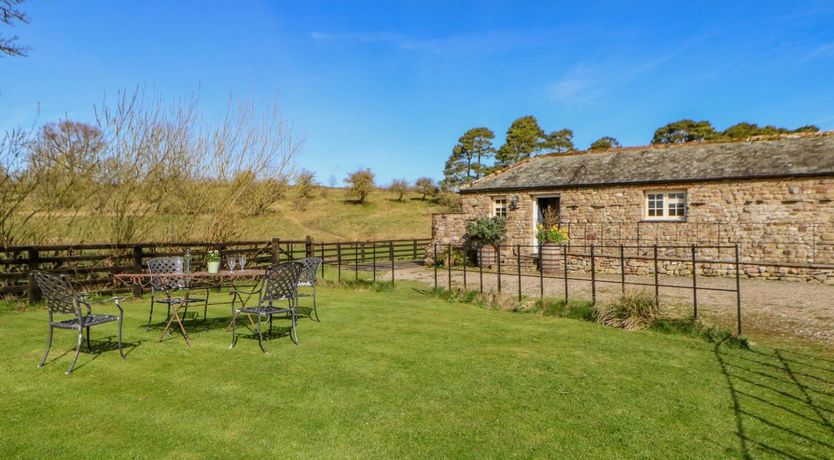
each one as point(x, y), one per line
point(280, 284)
point(62, 299)
point(309, 279)
point(170, 285)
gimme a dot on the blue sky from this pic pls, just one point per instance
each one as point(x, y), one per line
point(392, 85)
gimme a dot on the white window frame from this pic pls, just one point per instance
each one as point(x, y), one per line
point(495, 206)
point(670, 201)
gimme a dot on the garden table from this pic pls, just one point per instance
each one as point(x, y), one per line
point(200, 279)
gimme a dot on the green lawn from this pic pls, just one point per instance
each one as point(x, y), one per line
point(400, 374)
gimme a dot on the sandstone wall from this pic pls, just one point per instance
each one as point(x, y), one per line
point(785, 225)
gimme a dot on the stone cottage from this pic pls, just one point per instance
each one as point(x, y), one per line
point(774, 197)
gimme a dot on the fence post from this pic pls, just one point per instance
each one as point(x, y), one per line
point(656, 280)
point(434, 260)
point(276, 251)
point(565, 269)
point(738, 291)
point(449, 265)
point(391, 253)
point(339, 262)
point(308, 246)
point(541, 274)
point(137, 267)
point(481, 268)
point(321, 253)
point(415, 249)
point(34, 293)
point(518, 268)
point(694, 285)
point(593, 276)
point(498, 256)
point(356, 259)
point(622, 267)
point(463, 248)
point(373, 260)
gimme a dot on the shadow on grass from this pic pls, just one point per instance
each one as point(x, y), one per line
point(782, 405)
point(99, 346)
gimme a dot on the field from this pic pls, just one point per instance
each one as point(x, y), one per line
point(392, 372)
point(330, 217)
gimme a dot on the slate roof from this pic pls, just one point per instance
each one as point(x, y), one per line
point(791, 156)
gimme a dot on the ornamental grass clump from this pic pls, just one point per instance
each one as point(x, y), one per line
point(632, 311)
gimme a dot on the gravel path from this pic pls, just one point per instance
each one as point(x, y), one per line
point(781, 308)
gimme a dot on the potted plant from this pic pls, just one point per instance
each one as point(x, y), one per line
point(486, 234)
point(213, 261)
point(550, 237)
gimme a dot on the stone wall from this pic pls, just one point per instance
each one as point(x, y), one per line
point(785, 225)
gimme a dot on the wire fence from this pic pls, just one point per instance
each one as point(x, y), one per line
point(623, 265)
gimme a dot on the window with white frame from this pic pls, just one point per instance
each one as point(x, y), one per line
point(665, 205)
point(499, 206)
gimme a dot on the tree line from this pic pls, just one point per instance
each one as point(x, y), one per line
point(475, 155)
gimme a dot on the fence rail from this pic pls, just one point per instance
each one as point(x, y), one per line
point(93, 265)
point(584, 263)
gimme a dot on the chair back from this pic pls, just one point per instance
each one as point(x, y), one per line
point(59, 293)
point(162, 265)
point(309, 271)
point(280, 282)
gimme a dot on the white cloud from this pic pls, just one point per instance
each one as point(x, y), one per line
point(587, 83)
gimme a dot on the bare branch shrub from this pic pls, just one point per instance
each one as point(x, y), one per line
point(305, 187)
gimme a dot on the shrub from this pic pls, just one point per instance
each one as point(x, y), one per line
point(632, 311)
point(305, 187)
point(442, 256)
point(398, 187)
point(487, 230)
point(425, 186)
point(361, 183)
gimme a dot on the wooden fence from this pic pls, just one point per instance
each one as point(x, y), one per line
point(92, 266)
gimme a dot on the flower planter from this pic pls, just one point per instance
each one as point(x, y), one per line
point(550, 261)
point(487, 256)
point(213, 267)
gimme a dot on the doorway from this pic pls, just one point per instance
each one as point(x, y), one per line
point(547, 208)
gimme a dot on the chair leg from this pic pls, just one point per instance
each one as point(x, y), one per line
point(294, 320)
point(150, 317)
point(121, 352)
point(77, 350)
point(205, 315)
point(89, 347)
point(315, 310)
point(260, 335)
point(270, 327)
point(234, 328)
point(48, 346)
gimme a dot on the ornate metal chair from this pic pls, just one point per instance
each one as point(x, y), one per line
point(170, 285)
point(280, 284)
point(62, 299)
point(309, 279)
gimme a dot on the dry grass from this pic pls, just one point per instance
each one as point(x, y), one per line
point(326, 217)
point(633, 311)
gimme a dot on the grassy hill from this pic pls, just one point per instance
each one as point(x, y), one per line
point(327, 217)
